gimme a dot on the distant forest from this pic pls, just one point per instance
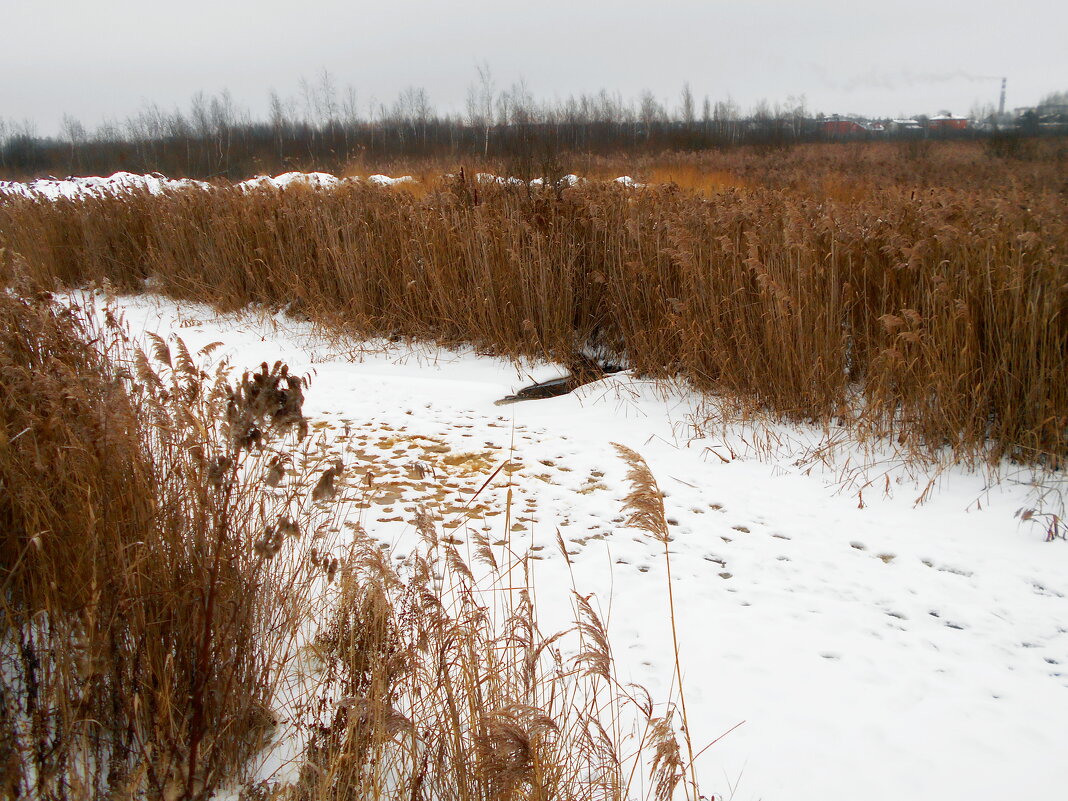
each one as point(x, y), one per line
point(325, 129)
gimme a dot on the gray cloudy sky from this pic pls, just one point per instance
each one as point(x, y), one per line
point(105, 58)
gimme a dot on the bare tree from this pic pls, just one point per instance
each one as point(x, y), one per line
point(107, 131)
point(198, 111)
point(687, 108)
point(795, 113)
point(515, 105)
point(650, 112)
point(74, 133)
point(328, 109)
point(480, 98)
point(726, 117)
point(413, 109)
point(350, 113)
point(223, 115)
point(279, 122)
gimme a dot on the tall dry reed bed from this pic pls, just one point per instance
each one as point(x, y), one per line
point(142, 615)
point(174, 575)
point(936, 316)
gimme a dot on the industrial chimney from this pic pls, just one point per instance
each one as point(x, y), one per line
point(1001, 104)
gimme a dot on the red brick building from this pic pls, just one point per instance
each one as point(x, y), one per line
point(947, 123)
point(840, 127)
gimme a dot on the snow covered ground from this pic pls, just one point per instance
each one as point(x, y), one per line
point(875, 649)
point(53, 188)
point(123, 182)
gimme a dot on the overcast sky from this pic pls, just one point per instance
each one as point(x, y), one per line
point(97, 59)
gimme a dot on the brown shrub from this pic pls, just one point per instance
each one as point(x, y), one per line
point(135, 653)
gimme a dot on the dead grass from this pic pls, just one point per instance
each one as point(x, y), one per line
point(172, 550)
point(443, 686)
point(140, 614)
point(706, 181)
point(807, 169)
point(933, 316)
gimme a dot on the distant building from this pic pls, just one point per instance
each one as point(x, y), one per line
point(836, 126)
point(841, 127)
point(947, 123)
point(994, 122)
point(905, 126)
point(1052, 113)
point(1048, 118)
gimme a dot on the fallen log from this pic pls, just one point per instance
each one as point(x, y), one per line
point(583, 371)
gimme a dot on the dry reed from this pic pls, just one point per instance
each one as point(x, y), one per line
point(141, 614)
point(445, 687)
point(937, 316)
point(160, 583)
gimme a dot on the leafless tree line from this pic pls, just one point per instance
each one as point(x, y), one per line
point(325, 127)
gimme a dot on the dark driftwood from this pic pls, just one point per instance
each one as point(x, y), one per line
point(583, 371)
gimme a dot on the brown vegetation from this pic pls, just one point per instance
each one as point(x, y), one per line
point(170, 561)
point(139, 628)
point(444, 686)
point(830, 290)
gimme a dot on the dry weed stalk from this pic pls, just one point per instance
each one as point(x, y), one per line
point(645, 503)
